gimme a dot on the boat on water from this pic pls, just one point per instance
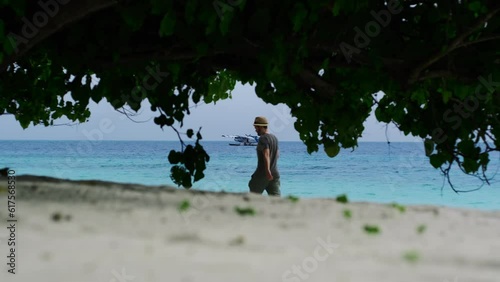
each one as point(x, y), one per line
point(243, 140)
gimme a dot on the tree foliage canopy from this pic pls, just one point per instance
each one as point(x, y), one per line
point(438, 63)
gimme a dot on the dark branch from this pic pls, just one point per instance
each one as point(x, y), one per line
point(326, 89)
point(458, 42)
point(480, 40)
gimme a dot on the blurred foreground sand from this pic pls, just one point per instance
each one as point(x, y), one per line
point(109, 232)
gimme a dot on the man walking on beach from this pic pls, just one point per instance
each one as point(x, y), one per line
point(266, 176)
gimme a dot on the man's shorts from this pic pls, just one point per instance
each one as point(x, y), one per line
point(260, 183)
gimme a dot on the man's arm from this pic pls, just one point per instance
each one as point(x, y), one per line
point(267, 161)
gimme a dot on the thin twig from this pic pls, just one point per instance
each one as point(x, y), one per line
point(128, 113)
point(487, 38)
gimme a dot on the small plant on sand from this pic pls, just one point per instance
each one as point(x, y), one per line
point(244, 211)
point(371, 229)
point(347, 214)
point(293, 198)
point(58, 216)
point(421, 228)
point(411, 256)
point(184, 206)
point(342, 199)
point(399, 207)
point(435, 211)
point(239, 240)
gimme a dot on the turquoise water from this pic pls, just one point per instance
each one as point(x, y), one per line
point(375, 172)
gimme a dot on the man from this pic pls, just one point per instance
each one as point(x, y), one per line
point(266, 176)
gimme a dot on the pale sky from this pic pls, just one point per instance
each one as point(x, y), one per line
point(231, 116)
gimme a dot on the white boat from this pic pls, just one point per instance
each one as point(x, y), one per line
point(243, 140)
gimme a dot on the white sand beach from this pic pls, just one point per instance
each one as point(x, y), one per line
point(108, 232)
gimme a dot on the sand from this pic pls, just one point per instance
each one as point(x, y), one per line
point(109, 232)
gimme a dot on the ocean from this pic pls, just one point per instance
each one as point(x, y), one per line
point(374, 171)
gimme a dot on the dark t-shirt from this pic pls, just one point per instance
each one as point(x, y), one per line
point(269, 141)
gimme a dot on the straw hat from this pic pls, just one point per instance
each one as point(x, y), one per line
point(260, 121)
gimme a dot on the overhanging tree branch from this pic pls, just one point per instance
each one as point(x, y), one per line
point(72, 12)
point(457, 43)
point(325, 89)
point(278, 45)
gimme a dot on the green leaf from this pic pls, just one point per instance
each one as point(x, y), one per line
point(299, 16)
point(399, 207)
point(133, 17)
point(244, 211)
point(169, 121)
point(208, 98)
point(180, 176)
point(167, 24)
point(437, 160)
point(470, 165)
point(420, 96)
point(484, 159)
point(332, 150)
point(371, 229)
point(467, 147)
point(429, 146)
point(451, 31)
point(184, 206)
point(174, 157)
point(474, 6)
point(411, 256)
point(421, 229)
point(222, 8)
point(342, 199)
point(9, 45)
point(202, 49)
point(446, 96)
point(211, 24)
point(336, 8)
point(325, 64)
point(225, 23)
point(190, 11)
point(347, 214)
point(198, 175)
